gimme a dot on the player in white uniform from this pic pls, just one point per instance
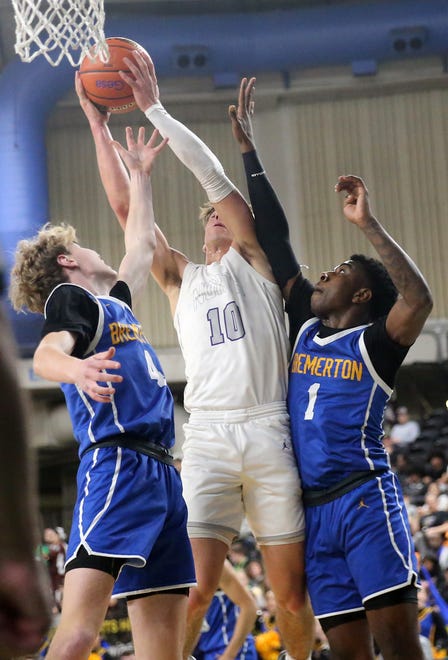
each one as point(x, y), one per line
point(229, 317)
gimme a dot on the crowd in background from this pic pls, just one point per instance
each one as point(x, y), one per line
point(418, 450)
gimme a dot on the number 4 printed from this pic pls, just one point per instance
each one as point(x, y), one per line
point(154, 373)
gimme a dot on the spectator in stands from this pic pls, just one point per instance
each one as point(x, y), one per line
point(55, 563)
point(431, 514)
point(437, 464)
point(405, 430)
point(227, 626)
point(256, 580)
point(238, 554)
point(413, 484)
point(432, 625)
point(267, 638)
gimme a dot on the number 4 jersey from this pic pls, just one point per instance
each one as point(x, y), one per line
point(142, 404)
point(230, 324)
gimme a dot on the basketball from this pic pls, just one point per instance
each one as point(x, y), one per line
point(102, 82)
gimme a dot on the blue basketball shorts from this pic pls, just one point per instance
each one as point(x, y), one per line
point(130, 506)
point(358, 546)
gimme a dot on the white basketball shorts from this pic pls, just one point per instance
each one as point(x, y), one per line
point(241, 463)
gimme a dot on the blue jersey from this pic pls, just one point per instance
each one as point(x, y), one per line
point(336, 403)
point(217, 630)
point(142, 404)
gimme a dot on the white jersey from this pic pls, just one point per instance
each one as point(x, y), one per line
point(231, 328)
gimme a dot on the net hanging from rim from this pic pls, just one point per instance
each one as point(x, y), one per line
point(60, 28)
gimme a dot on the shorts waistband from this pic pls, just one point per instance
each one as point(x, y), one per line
point(239, 414)
point(319, 497)
point(136, 444)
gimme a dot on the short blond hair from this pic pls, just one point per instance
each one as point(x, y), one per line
point(205, 212)
point(36, 271)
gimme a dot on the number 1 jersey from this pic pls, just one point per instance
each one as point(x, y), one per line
point(336, 404)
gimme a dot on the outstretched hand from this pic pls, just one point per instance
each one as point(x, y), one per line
point(140, 156)
point(356, 199)
point(94, 378)
point(241, 116)
point(143, 80)
point(93, 114)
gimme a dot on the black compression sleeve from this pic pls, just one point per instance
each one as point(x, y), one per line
point(270, 221)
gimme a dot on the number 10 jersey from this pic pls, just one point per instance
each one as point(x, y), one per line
point(231, 328)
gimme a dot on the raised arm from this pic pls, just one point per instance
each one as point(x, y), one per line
point(270, 220)
point(168, 264)
point(228, 202)
point(113, 173)
point(140, 231)
point(234, 589)
point(407, 317)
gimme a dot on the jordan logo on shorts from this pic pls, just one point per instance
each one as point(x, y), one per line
point(362, 504)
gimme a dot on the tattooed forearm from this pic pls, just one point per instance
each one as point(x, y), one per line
point(403, 271)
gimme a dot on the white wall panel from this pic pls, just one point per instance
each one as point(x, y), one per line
point(397, 141)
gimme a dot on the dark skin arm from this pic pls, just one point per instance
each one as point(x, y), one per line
point(407, 317)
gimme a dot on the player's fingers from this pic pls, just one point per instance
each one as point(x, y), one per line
point(250, 93)
point(153, 137)
point(141, 135)
point(146, 56)
point(106, 354)
point(141, 67)
point(105, 377)
point(102, 367)
point(161, 146)
point(232, 112)
point(100, 398)
point(79, 86)
point(130, 139)
point(135, 70)
point(141, 61)
point(242, 94)
point(100, 392)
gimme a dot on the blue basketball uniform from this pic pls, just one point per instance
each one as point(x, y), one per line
point(129, 504)
point(217, 630)
point(358, 546)
point(357, 528)
point(336, 403)
point(142, 404)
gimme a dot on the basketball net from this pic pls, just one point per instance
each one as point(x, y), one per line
point(60, 28)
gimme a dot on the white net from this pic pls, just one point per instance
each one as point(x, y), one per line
point(60, 28)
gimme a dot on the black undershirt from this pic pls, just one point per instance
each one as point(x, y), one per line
point(71, 308)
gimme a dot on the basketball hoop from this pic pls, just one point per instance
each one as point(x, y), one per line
point(58, 28)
